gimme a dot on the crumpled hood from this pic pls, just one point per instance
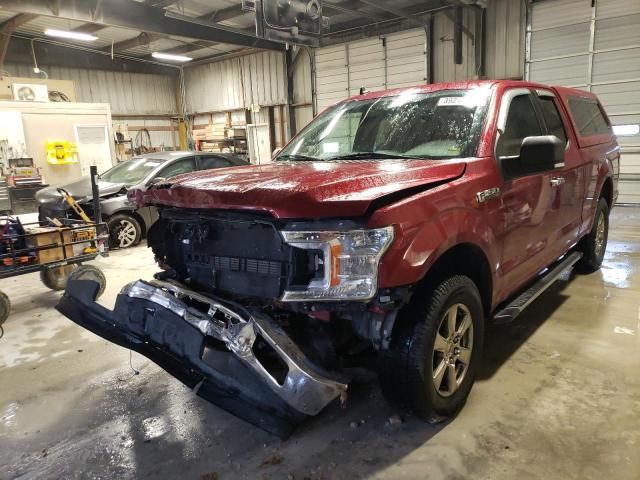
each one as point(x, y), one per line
point(79, 190)
point(302, 189)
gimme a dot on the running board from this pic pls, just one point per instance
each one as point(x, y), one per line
point(517, 305)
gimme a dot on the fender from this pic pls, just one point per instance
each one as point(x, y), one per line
point(417, 246)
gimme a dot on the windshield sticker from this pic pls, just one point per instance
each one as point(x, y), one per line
point(453, 102)
point(152, 164)
point(330, 147)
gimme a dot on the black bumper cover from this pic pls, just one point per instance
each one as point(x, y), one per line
point(179, 348)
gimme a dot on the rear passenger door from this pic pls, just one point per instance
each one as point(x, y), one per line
point(530, 214)
point(568, 184)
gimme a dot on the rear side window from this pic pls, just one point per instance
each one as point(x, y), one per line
point(552, 118)
point(207, 163)
point(588, 117)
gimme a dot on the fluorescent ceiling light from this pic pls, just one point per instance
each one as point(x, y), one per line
point(168, 56)
point(623, 130)
point(72, 35)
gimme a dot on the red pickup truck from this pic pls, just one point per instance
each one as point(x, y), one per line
point(392, 227)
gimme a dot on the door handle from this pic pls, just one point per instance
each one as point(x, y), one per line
point(556, 181)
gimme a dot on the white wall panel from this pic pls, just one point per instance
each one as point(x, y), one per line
point(608, 32)
point(505, 39)
point(445, 68)
point(332, 75)
point(366, 65)
point(406, 58)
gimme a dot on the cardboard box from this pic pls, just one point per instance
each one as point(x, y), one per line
point(50, 236)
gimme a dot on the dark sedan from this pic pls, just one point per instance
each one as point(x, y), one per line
point(127, 223)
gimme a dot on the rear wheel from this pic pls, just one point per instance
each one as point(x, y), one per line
point(89, 272)
point(56, 278)
point(594, 245)
point(124, 231)
point(435, 350)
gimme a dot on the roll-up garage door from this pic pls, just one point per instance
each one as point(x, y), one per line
point(396, 60)
point(594, 45)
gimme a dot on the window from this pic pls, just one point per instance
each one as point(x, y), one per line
point(179, 167)
point(552, 118)
point(521, 122)
point(213, 162)
point(588, 117)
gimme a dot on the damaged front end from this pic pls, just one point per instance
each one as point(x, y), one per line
point(236, 357)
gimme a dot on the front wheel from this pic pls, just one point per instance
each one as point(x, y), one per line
point(435, 349)
point(594, 244)
point(124, 231)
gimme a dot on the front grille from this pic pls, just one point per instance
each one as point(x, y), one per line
point(237, 254)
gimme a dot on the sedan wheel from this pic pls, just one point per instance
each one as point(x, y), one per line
point(124, 231)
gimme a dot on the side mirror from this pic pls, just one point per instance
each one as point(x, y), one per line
point(156, 181)
point(537, 154)
point(275, 152)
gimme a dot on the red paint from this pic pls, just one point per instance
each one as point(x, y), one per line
point(519, 233)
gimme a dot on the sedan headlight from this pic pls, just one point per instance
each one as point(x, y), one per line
point(349, 263)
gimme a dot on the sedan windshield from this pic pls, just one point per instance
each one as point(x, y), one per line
point(438, 125)
point(132, 171)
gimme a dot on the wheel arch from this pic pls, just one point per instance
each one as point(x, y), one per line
point(606, 191)
point(466, 259)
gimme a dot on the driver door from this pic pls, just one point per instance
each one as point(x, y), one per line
point(529, 213)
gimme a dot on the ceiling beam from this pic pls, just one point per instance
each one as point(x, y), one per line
point(143, 39)
point(138, 16)
point(224, 14)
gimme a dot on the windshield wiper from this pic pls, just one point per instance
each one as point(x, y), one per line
point(298, 158)
point(368, 155)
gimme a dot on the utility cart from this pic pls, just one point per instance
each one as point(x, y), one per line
point(57, 248)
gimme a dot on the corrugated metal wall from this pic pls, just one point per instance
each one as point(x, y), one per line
point(506, 20)
point(395, 60)
point(235, 83)
point(401, 60)
point(445, 69)
point(303, 88)
point(595, 47)
point(127, 93)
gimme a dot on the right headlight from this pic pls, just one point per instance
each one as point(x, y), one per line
point(350, 263)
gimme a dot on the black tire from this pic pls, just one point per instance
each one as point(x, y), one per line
point(124, 231)
point(89, 272)
point(5, 307)
point(407, 367)
point(594, 245)
point(56, 278)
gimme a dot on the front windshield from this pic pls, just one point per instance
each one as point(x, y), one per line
point(132, 171)
point(438, 125)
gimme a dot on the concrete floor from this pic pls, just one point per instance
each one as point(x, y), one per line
point(558, 396)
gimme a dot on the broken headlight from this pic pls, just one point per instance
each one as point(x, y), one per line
point(349, 263)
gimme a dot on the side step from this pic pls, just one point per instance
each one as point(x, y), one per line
point(517, 305)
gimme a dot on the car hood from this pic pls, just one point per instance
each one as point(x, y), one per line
point(80, 190)
point(303, 189)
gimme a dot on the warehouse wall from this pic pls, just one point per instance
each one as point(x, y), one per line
point(506, 25)
point(237, 83)
point(129, 94)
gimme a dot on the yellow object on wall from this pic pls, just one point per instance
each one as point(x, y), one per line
point(61, 152)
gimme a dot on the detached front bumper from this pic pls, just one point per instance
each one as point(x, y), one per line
point(186, 333)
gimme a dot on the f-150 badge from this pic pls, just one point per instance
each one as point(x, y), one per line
point(485, 195)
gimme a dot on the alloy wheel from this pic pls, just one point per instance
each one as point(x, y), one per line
point(452, 350)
